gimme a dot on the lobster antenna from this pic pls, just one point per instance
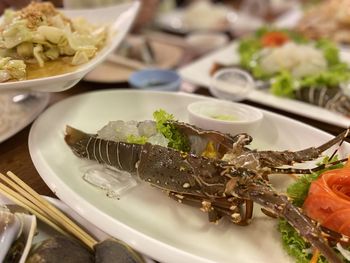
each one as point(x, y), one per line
point(340, 143)
point(307, 171)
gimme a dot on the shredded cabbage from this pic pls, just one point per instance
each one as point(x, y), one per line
point(40, 32)
point(12, 69)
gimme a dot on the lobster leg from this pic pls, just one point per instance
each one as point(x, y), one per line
point(236, 210)
point(280, 205)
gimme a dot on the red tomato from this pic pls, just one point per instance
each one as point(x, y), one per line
point(274, 39)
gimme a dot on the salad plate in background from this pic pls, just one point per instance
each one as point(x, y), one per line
point(117, 19)
point(198, 73)
point(145, 217)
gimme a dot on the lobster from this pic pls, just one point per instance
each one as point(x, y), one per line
point(225, 185)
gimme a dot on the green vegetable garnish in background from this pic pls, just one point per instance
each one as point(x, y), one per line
point(330, 51)
point(292, 242)
point(176, 139)
point(283, 83)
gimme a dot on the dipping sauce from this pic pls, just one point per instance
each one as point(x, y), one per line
point(224, 117)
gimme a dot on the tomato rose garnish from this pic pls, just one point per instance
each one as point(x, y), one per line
point(328, 200)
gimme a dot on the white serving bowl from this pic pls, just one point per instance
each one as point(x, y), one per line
point(119, 17)
point(224, 116)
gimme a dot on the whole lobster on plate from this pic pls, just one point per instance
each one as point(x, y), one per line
point(225, 184)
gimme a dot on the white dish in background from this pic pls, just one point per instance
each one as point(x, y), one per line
point(203, 42)
point(197, 73)
point(45, 232)
point(199, 16)
point(145, 217)
point(15, 116)
point(225, 116)
point(120, 17)
point(167, 56)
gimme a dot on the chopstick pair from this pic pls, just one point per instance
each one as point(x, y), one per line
point(23, 195)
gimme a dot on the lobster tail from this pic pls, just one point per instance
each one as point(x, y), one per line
point(280, 205)
point(120, 155)
point(77, 140)
point(331, 98)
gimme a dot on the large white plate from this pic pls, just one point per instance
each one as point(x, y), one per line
point(15, 116)
point(119, 17)
point(145, 218)
point(198, 73)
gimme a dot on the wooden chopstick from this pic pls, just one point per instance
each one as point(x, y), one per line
point(25, 196)
point(50, 209)
point(19, 200)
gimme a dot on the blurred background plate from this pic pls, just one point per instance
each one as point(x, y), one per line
point(198, 73)
point(117, 69)
point(199, 15)
point(15, 116)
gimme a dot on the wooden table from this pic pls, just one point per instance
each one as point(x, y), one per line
point(14, 153)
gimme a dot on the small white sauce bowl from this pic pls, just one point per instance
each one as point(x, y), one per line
point(231, 84)
point(203, 114)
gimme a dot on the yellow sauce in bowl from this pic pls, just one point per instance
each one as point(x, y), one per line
point(224, 117)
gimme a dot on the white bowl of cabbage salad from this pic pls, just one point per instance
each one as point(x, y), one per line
point(28, 52)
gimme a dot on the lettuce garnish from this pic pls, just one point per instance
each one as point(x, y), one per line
point(176, 139)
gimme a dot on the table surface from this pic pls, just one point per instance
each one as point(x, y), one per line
point(14, 152)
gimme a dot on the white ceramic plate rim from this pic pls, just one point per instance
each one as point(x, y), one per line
point(197, 72)
point(37, 109)
point(141, 242)
point(116, 35)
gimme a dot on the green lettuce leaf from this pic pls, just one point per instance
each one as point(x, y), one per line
point(176, 140)
point(335, 75)
point(330, 51)
point(283, 85)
